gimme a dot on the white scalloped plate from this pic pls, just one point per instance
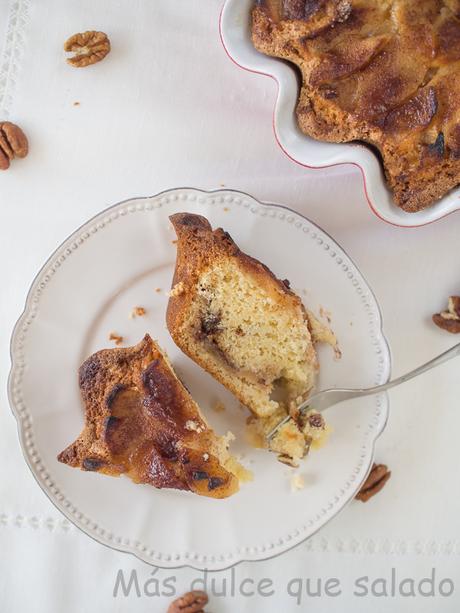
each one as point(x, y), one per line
point(236, 37)
point(87, 289)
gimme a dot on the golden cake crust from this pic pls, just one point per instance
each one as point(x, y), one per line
point(199, 247)
point(244, 326)
point(200, 250)
point(142, 422)
point(385, 72)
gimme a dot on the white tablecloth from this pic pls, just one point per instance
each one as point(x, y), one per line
point(167, 108)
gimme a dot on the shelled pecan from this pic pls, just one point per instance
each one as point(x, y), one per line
point(449, 320)
point(192, 602)
point(13, 144)
point(377, 478)
point(89, 47)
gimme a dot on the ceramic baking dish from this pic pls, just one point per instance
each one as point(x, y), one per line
point(235, 32)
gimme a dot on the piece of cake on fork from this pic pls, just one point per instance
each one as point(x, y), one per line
point(246, 327)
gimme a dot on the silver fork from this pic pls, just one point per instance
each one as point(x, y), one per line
point(323, 400)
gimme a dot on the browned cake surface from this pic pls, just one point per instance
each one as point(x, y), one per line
point(231, 314)
point(246, 327)
point(386, 72)
point(142, 422)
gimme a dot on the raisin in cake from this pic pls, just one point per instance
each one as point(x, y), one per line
point(385, 72)
point(233, 317)
point(142, 422)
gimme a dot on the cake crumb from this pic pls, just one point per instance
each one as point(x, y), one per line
point(286, 459)
point(76, 103)
point(174, 242)
point(158, 290)
point(297, 483)
point(177, 290)
point(116, 337)
point(218, 406)
point(253, 434)
point(226, 209)
point(321, 333)
point(193, 426)
point(137, 312)
point(228, 438)
point(325, 314)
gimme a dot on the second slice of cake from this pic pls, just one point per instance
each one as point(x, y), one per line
point(232, 316)
point(141, 422)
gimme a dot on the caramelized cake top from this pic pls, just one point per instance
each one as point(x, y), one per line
point(385, 72)
point(142, 422)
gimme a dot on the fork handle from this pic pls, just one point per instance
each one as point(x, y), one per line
point(338, 395)
point(441, 359)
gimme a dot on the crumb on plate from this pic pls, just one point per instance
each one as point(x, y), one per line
point(218, 406)
point(137, 311)
point(113, 336)
point(325, 314)
point(297, 482)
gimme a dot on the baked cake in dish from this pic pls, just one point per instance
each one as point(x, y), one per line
point(385, 72)
point(143, 423)
point(233, 317)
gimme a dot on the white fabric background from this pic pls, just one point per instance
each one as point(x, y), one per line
point(167, 108)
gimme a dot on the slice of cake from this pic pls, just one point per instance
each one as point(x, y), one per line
point(142, 422)
point(232, 316)
point(384, 72)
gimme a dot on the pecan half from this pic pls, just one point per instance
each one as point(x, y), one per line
point(192, 602)
point(316, 420)
point(89, 47)
point(377, 478)
point(449, 320)
point(13, 143)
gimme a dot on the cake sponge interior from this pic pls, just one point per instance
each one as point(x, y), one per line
point(243, 325)
point(238, 321)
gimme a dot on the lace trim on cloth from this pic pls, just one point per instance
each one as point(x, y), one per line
point(315, 544)
point(51, 524)
point(12, 53)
